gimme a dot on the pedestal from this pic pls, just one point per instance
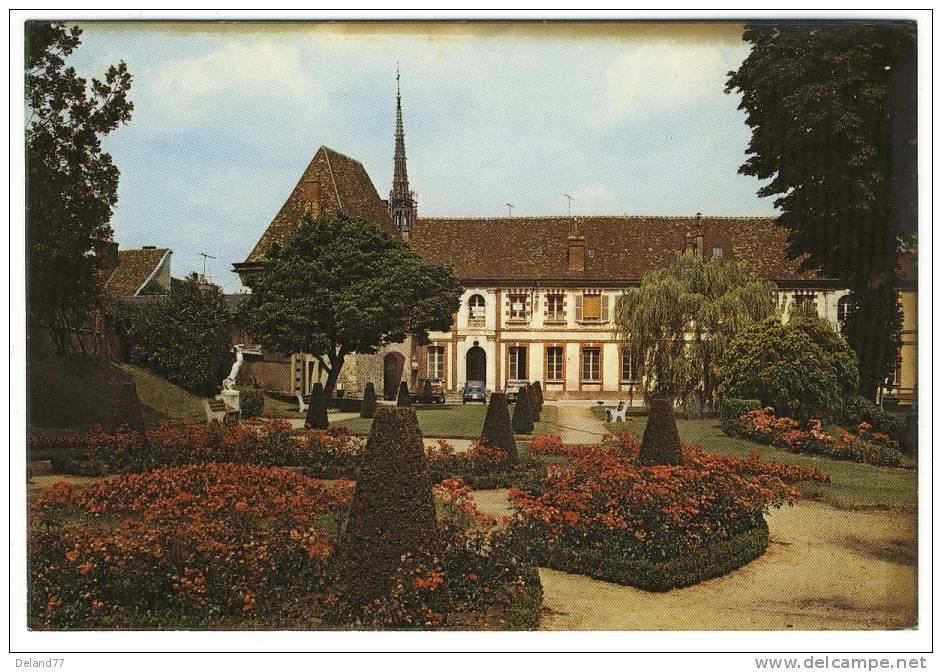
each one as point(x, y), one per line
point(231, 399)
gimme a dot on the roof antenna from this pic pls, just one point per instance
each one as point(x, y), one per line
point(510, 209)
point(205, 257)
point(570, 203)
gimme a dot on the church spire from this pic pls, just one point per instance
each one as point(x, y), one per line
point(402, 202)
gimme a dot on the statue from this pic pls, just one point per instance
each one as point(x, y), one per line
point(230, 381)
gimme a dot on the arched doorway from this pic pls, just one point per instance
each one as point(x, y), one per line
point(393, 364)
point(476, 364)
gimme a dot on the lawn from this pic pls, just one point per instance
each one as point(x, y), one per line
point(162, 399)
point(452, 421)
point(852, 483)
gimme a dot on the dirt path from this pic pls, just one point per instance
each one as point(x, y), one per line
point(578, 425)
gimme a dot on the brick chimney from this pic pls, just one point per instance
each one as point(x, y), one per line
point(576, 248)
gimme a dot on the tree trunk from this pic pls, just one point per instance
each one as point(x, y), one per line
point(336, 364)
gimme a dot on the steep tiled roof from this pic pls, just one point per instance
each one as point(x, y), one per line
point(134, 269)
point(331, 183)
point(618, 249)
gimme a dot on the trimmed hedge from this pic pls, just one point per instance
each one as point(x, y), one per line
point(403, 399)
point(317, 409)
point(427, 392)
point(251, 402)
point(534, 402)
point(707, 563)
point(368, 407)
point(661, 441)
point(498, 432)
point(525, 612)
point(522, 420)
point(732, 410)
point(539, 396)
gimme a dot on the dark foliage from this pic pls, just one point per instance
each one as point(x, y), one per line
point(393, 512)
point(661, 441)
point(857, 409)
point(317, 409)
point(403, 399)
point(732, 410)
point(368, 407)
point(522, 420)
point(534, 402)
point(498, 431)
point(251, 401)
point(832, 109)
point(539, 396)
point(71, 184)
point(427, 392)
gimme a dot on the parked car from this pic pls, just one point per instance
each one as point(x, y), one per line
point(438, 391)
point(474, 390)
point(512, 389)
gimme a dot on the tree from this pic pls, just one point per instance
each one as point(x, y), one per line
point(497, 431)
point(681, 319)
point(183, 336)
point(804, 368)
point(71, 184)
point(340, 286)
point(832, 108)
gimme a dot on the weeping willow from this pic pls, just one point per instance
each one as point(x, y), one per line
point(681, 318)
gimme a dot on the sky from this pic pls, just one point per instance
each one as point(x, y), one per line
point(626, 118)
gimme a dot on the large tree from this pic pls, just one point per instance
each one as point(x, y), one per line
point(832, 107)
point(340, 286)
point(681, 318)
point(71, 184)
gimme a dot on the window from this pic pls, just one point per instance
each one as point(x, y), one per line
point(436, 362)
point(592, 307)
point(518, 307)
point(590, 253)
point(554, 364)
point(845, 306)
point(591, 372)
point(629, 365)
point(555, 308)
point(717, 252)
point(476, 310)
point(517, 369)
point(806, 301)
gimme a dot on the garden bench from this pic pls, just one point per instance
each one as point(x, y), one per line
point(303, 403)
point(218, 411)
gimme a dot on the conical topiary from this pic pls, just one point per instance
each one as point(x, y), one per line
point(497, 431)
point(661, 441)
point(523, 419)
point(534, 403)
point(427, 392)
point(539, 396)
point(403, 399)
point(317, 409)
point(368, 405)
point(393, 512)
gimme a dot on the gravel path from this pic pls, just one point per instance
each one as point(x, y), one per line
point(578, 425)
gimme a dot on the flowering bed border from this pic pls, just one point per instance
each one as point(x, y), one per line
point(707, 563)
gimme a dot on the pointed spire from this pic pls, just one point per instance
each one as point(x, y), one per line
point(402, 205)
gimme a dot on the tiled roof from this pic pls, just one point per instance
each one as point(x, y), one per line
point(618, 249)
point(134, 268)
point(331, 183)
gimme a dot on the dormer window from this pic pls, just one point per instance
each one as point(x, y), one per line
point(518, 307)
point(717, 252)
point(476, 311)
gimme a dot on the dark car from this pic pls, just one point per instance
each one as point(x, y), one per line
point(513, 387)
point(438, 391)
point(474, 390)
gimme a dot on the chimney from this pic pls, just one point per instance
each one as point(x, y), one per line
point(576, 248)
point(698, 239)
point(107, 251)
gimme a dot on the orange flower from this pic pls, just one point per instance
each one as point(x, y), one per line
point(85, 568)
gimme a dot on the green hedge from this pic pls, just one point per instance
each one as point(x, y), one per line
point(707, 563)
point(525, 610)
point(251, 401)
point(732, 409)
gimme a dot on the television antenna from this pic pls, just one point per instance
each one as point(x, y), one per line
point(205, 257)
point(570, 203)
point(510, 209)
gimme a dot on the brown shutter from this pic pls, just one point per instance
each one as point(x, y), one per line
point(604, 308)
point(578, 307)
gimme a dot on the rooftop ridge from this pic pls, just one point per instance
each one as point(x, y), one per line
point(589, 217)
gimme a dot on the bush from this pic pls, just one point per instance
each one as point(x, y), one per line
point(317, 409)
point(251, 402)
point(661, 441)
point(403, 399)
point(731, 412)
point(803, 369)
point(498, 431)
point(368, 407)
point(393, 514)
point(427, 392)
point(534, 402)
point(539, 396)
point(858, 409)
point(522, 421)
point(201, 540)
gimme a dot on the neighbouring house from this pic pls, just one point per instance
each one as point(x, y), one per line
point(539, 291)
point(139, 272)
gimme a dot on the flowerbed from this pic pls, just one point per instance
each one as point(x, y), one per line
point(482, 467)
point(865, 446)
point(201, 541)
point(602, 512)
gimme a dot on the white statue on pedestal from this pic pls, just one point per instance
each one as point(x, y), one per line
point(230, 381)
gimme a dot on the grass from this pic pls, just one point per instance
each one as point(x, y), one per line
point(452, 421)
point(165, 400)
point(852, 483)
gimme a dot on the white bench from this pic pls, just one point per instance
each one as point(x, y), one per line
point(302, 405)
point(619, 414)
point(218, 411)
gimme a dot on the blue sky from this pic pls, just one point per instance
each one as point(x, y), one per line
point(626, 118)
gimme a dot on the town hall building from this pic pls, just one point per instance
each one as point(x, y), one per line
point(539, 291)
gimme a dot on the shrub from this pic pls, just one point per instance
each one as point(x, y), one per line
point(731, 412)
point(427, 392)
point(548, 444)
point(539, 396)
point(858, 409)
point(661, 441)
point(534, 402)
point(498, 431)
point(251, 402)
point(403, 399)
point(317, 409)
point(202, 540)
point(804, 369)
point(522, 421)
point(368, 407)
point(393, 514)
